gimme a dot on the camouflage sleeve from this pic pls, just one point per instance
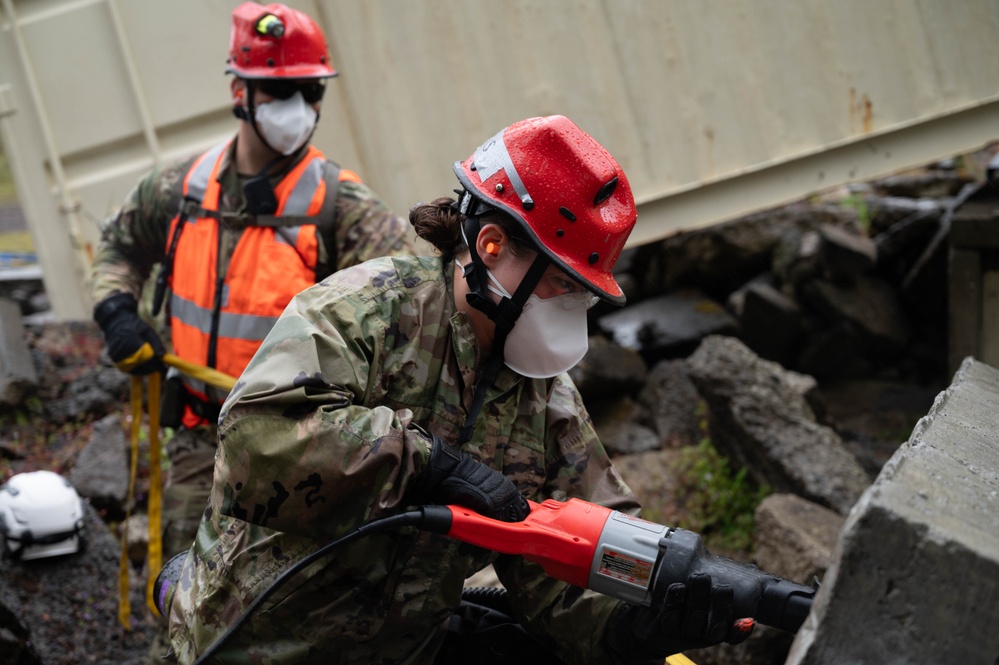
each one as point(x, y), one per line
point(300, 449)
point(133, 239)
point(578, 466)
point(366, 228)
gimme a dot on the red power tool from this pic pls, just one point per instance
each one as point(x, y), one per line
point(626, 557)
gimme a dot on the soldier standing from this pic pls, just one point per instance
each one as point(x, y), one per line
point(414, 380)
point(236, 231)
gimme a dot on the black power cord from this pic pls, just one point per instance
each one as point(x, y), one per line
point(427, 518)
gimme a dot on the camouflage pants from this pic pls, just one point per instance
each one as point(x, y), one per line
point(187, 487)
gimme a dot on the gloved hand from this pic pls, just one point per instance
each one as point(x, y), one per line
point(691, 616)
point(451, 476)
point(133, 345)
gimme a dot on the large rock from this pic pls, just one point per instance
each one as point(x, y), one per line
point(771, 323)
point(795, 537)
point(846, 256)
point(915, 573)
point(668, 326)
point(608, 369)
point(672, 402)
point(870, 305)
point(101, 472)
point(760, 418)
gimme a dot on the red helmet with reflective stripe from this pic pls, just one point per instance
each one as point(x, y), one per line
point(565, 189)
point(275, 41)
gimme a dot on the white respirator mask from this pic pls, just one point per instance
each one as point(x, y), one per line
point(286, 124)
point(550, 335)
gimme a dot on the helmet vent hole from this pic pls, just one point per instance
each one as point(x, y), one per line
point(528, 204)
point(560, 233)
point(270, 62)
point(594, 257)
point(322, 59)
point(567, 214)
point(605, 191)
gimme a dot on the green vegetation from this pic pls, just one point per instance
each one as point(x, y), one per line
point(863, 213)
point(719, 504)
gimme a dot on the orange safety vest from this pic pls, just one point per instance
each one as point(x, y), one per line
point(220, 320)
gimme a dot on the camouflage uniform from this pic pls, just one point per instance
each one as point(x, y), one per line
point(134, 240)
point(326, 430)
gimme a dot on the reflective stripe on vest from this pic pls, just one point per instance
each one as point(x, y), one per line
point(234, 326)
point(269, 265)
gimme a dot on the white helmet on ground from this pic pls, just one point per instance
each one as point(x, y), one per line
point(41, 515)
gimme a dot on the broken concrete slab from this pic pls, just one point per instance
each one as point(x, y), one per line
point(668, 326)
point(761, 420)
point(846, 256)
point(18, 378)
point(915, 573)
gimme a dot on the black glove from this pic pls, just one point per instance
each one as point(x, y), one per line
point(451, 476)
point(691, 616)
point(133, 345)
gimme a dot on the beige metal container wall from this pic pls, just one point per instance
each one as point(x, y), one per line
point(715, 109)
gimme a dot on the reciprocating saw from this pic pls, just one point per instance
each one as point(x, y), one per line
point(624, 557)
point(578, 542)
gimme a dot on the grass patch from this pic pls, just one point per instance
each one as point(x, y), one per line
point(859, 204)
point(720, 504)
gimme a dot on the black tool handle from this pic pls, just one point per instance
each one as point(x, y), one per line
point(770, 600)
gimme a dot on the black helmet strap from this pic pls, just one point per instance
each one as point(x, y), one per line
point(504, 313)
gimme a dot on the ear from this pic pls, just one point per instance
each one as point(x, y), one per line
point(238, 89)
point(491, 244)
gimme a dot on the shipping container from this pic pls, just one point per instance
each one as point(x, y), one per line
point(714, 109)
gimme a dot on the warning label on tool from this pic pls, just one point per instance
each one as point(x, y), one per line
point(625, 567)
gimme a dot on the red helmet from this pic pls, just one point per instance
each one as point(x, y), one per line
point(565, 189)
point(276, 42)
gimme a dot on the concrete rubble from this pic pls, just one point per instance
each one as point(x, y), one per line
point(915, 573)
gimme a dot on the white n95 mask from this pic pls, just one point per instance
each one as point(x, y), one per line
point(286, 124)
point(550, 335)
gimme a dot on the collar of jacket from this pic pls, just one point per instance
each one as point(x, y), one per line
point(466, 346)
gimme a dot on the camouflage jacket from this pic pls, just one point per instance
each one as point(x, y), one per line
point(134, 239)
point(326, 430)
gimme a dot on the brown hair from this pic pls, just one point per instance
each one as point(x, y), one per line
point(440, 224)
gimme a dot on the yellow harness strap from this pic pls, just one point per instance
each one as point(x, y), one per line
point(154, 558)
point(155, 552)
point(679, 659)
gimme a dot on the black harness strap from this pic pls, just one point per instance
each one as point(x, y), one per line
point(187, 208)
point(325, 221)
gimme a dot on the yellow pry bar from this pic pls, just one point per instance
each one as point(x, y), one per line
point(679, 659)
point(211, 376)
